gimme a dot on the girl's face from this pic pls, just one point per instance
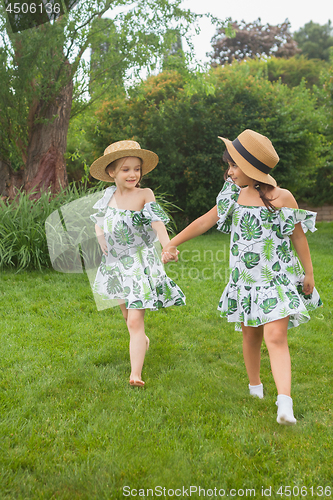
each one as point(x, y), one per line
point(238, 175)
point(128, 174)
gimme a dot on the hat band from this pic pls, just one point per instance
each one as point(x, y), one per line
point(250, 158)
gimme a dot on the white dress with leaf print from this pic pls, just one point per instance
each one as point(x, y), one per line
point(132, 272)
point(265, 282)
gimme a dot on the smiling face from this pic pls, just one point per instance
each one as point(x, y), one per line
point(238, 175)
point(127, 173)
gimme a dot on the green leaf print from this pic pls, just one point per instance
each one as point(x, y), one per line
point(268, 305)
point(110, 241)
point(280, 293)
point(158, 304)
point(147, 270)
point(159, 289)
point(226, 226)
point(268, 249)
point(123, 234)
point(289, 225)
point(167, 292)
point(179, 302)
point(172, 283)
point(137, 220)
point(282, 279)
point(235, 238)
point(251, 259)
point(250, 227)
point(254, 322)
point(276, 267)
point(294, 300)
point(232, 306)
point(235, 274)
point(247, 277)
point(127, 290)
point(246, 304)
point(113, 252)
point(147, 292)
point(276, 228)
point(300, 291)
point(113, 285)
point(151, 259)
point(267, 216)
point(147, 239)
point(136, 289)
point(137, 304)
point(222, 206)
point(158, 210)
point(127, 261)
point(283, 252)
point(234, 250)
point(266, 274)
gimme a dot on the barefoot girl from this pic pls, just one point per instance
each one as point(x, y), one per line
point(267, 292)
point(126, 225)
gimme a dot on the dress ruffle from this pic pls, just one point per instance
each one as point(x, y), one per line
point(255, 306)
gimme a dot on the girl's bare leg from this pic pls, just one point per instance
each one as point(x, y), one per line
point(275, 334)
point(252, 340)
point(138, 344)
point(124, 311)
point(125, 314)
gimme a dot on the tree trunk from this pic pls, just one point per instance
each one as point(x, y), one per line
point(45, 166)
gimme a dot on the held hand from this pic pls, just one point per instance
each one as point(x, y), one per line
point(169, 253)
point(102, 244)
point(308, 284)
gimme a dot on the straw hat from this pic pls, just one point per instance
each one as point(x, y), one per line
point(254, 154)
point(121, 149)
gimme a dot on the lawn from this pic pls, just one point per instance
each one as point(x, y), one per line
point(72, 428)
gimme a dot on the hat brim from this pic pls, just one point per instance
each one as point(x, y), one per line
point(246, 167)
point(149, 162)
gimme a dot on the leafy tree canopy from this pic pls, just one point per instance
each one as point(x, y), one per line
point(315, 40)
point(251, 40)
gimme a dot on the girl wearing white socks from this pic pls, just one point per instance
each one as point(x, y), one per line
point(268, 291)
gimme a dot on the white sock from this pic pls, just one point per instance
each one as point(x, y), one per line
point(285, 414)
point(257, 390)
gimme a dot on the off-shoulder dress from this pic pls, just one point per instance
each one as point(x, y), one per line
point(265, 281)
point(132, 272)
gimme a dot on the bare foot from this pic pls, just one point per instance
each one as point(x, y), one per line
point(137, 382)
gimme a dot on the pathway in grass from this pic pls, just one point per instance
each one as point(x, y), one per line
point(71, 427)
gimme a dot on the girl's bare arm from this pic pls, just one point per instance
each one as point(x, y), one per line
point(301, 246)
point(196, 228)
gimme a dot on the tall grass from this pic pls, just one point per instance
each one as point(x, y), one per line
point(23, 242)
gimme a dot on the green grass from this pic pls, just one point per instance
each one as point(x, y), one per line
point(72, 428)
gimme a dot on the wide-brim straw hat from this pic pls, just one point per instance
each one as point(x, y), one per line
point(254, 154)
point(122, 149)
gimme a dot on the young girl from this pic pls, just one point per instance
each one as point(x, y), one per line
point(128, 219)
point(267, 291)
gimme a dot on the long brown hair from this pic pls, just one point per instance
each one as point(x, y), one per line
point(261, 187)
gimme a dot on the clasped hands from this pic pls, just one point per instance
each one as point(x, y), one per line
point(169, 253)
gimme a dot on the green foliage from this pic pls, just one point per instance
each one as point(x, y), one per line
point(289, 71)
point(23, 242)
point(180, 116)
point(315, 40)
point(37, 66)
